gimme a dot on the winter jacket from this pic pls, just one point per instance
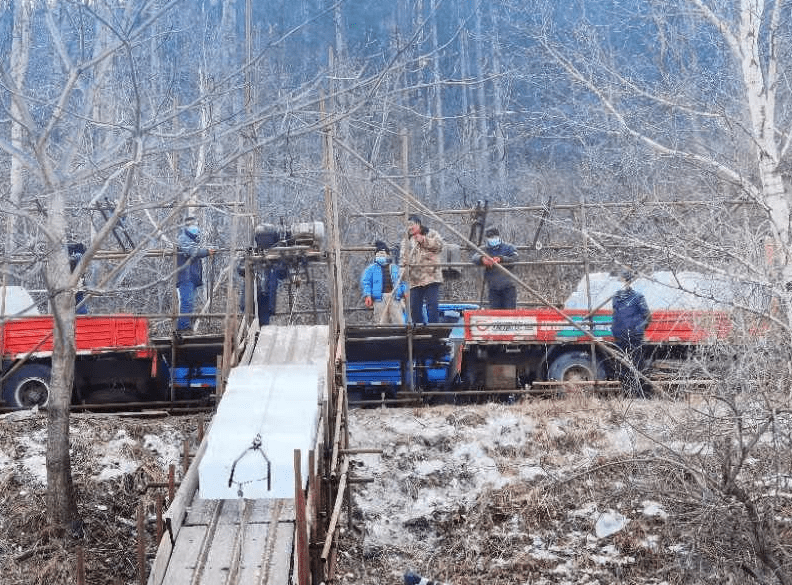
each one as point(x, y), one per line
point(371, 281)
point(421, 261)
point(630, 314)
point(189, 253)
point(497, 279)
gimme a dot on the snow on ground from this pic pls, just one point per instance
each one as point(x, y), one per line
point(114, 459)
point(442, 469)
point(540, 492)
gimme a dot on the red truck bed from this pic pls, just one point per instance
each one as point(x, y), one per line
point(93, 334)
point(549, 326)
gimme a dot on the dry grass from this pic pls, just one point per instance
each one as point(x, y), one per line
point(703, 538)
point(34, 553)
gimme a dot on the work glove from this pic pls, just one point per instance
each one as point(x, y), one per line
point(496, 260)
point(486, 261)
point(369, 302)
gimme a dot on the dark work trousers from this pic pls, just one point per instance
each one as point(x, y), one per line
point(503, 298)
point(186, 304)
point(429, 294)
point(632, 346)
point(267, 298)
point(80, 309)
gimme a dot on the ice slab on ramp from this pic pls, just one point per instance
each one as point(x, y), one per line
point(267, 411)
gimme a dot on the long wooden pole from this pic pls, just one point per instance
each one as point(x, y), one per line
point(339, 500)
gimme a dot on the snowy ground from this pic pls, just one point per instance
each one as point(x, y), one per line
point(498, 494)
point(569, 491)
point(114, 459)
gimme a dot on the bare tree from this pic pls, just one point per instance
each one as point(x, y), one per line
point(93, 130)
point(688, 100)
point(669, 113)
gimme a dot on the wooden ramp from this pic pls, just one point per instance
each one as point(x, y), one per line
point(240, 541)
point(224, 542)
point(244, 542)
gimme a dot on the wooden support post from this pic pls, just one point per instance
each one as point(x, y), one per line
point(219, 376)
point(80, 566)
point(185, 457)
point(314, 494)
point(159, 517)
point(336, 438)
point(171, 482)
point(141, 544)
point(339, 500)
point(345, 445)
point(301, 544)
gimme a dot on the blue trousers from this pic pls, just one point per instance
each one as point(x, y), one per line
point(429, 294)
point(632, 346)
point(186, 304)
point(503, 298)
point(79, 297)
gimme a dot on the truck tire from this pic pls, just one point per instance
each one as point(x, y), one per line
point(27, 387)
point(575, 366)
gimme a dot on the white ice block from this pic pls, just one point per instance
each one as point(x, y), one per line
point(276, 405)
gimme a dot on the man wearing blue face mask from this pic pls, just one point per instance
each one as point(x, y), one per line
point(382, 287)
point(190, 270)
point(502, 292)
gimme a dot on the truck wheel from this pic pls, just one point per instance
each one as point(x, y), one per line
point(575, 366)
point(28, 387)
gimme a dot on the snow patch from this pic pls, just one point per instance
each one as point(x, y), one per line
point(609, 523)
point(654, 510)
point(114, 463)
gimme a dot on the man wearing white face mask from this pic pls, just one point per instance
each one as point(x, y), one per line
point(502, 292)
point(382, 288)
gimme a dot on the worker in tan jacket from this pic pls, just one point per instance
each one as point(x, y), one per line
point(420, 260)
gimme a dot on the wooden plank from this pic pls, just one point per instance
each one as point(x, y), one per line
point(186, 555)
point(177, 510)
point(262, 511)
point(200, 511)
point(160, 565)
point(249, 345)
point(219, 553)
point(278, 566)
point(250, 567)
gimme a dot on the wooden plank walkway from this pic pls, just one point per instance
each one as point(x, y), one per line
point(238, 541)
point(234, 542)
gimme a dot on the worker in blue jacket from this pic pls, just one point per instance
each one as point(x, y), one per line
point(502, 291)
point(190, 270)
point(383, 288)
point(630, 317)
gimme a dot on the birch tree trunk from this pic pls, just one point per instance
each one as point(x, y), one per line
point(497, 102)
point(754, 41)
point(482, 141)
point(437, 88)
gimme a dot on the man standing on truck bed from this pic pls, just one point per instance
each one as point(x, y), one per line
point(420, 260)
point(502, 292)
point(190, 270)
point(630, 317)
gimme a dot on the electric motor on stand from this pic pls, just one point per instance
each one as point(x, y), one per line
point(306, 234)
